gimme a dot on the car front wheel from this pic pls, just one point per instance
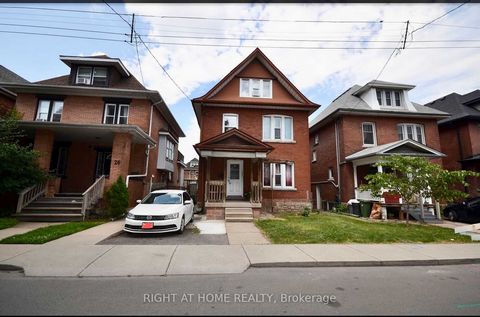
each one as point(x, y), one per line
point(182, 226)
point(452, 215)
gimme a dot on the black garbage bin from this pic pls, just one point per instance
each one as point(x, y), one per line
point(355, 209)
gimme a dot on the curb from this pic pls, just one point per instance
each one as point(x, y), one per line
point(367, 263)
point(11, 268)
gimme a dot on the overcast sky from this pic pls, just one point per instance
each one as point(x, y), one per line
point(321, 74)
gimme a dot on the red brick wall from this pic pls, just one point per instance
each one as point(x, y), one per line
point(250, 121)
point(6, 104)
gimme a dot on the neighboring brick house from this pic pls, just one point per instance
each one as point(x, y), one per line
point(254, 150)
point(358, 128)
point(7, 97)
point(191, 172)
point(460, 134)
point(99, 120)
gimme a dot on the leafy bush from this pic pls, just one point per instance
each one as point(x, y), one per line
point(116, 198)
point(306, 211)
point(342, 207)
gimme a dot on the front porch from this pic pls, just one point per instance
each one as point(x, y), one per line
point(231, 175)
point(365, 163)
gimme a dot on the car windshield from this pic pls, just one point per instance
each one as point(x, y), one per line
point(163, 199)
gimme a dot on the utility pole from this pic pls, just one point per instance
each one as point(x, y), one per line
point(132, 28)
point(406, 34)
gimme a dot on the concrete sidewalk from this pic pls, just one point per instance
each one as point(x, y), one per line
point(79, 255)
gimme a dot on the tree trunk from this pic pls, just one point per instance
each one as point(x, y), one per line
point(408, 211)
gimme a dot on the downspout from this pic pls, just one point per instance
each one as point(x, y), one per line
point(337, 154)
point(148, 149)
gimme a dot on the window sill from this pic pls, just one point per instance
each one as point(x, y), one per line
point(369, 145)
point(280, 141)
point(285, 189)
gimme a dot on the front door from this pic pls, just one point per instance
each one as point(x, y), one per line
point(235, 178)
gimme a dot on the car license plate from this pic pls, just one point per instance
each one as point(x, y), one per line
point(147, 225)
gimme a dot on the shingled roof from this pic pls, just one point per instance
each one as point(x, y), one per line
point(459, 106)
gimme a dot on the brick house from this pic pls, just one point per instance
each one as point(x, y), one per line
point(93, 125)
point(359, 127)
point(7, 97)
point(460, 134)
point(254, 150)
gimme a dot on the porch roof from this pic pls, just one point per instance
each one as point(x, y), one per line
point(235, 143)
point(402, 147)
point(87, 132)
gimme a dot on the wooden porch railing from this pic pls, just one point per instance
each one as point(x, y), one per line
point(29, 194)
point(256, 195)
point(93, 194)
point(215, 191)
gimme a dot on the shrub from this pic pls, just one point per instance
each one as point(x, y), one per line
point(342, 207)
point(116, 198)
point(306, 211)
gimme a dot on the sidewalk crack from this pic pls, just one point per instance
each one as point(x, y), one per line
point(171, 258)
point(311, 257)
point(94, 260)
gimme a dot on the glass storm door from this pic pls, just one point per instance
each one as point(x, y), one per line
point(235, 178)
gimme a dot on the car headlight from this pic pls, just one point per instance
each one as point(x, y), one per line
point(130, 216)
point(172, 216)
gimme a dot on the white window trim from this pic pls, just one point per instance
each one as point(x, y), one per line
point(92, 76)
point(282, 129)
point(50, 110)
point(314, 156)
point(169, 150)
point(116, 118)
point(250, 95)
point(230, 114)
point(374, 135)
point(283, 177)
point(414, 126)
point(384, 105)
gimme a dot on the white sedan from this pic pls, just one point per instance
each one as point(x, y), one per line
point(161, 211)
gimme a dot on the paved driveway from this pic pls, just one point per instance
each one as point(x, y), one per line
point(188, 237)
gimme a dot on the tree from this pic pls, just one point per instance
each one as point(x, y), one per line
point(19, 167)
point(116, 198)
point(412, 177)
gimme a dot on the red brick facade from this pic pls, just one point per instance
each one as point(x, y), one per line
point(250, 121)
point(350, 141)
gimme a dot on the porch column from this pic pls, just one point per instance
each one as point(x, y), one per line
point(355, 180)
point(382, 200)
point(122, 143)
point(44, 144)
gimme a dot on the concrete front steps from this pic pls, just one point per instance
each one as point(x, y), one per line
point(238, 214)
point(61, 208)
point(428, 217)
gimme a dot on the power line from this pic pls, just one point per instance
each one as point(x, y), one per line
point(436, 19)
point(149, 51)
point(237, 46)
point(63, 10)
point(61, 28)
point(138, 60)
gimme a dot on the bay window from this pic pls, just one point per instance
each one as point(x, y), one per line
point(277, 128)
point(411, 131)
point(170, 148)
point(256, 88)
point(278, 175)
point(49, 110)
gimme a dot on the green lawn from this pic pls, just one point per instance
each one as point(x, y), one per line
point(333, 228)
point(7, 223)
point(46, 234)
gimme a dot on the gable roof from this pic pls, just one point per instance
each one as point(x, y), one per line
point(8, 76)
point(233, 140)
point(405, 147)
point(257, 54)
point(458, 106)
point(350, 102)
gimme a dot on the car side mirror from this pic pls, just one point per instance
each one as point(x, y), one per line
point(139, 201)
point(187, 202)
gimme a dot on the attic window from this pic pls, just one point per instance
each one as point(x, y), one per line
point(389, 98)
point(255, 88)
point(96, 76)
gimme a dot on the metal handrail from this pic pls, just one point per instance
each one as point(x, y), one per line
point(92, 194)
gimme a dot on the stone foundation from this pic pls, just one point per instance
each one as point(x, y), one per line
point(215, 213)
point(285, 205)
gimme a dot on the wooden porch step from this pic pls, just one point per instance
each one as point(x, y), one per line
point(238, 214)
point(59, 208)
point(68, 195)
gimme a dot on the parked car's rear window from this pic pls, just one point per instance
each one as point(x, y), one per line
point(163, 198)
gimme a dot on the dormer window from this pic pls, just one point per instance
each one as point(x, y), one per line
point(389, 98)
point(96, 76)
point(255, 88)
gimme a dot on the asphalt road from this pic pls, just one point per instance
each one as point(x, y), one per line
point(443, 290)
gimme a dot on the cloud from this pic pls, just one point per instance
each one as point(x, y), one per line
point(322, 73)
